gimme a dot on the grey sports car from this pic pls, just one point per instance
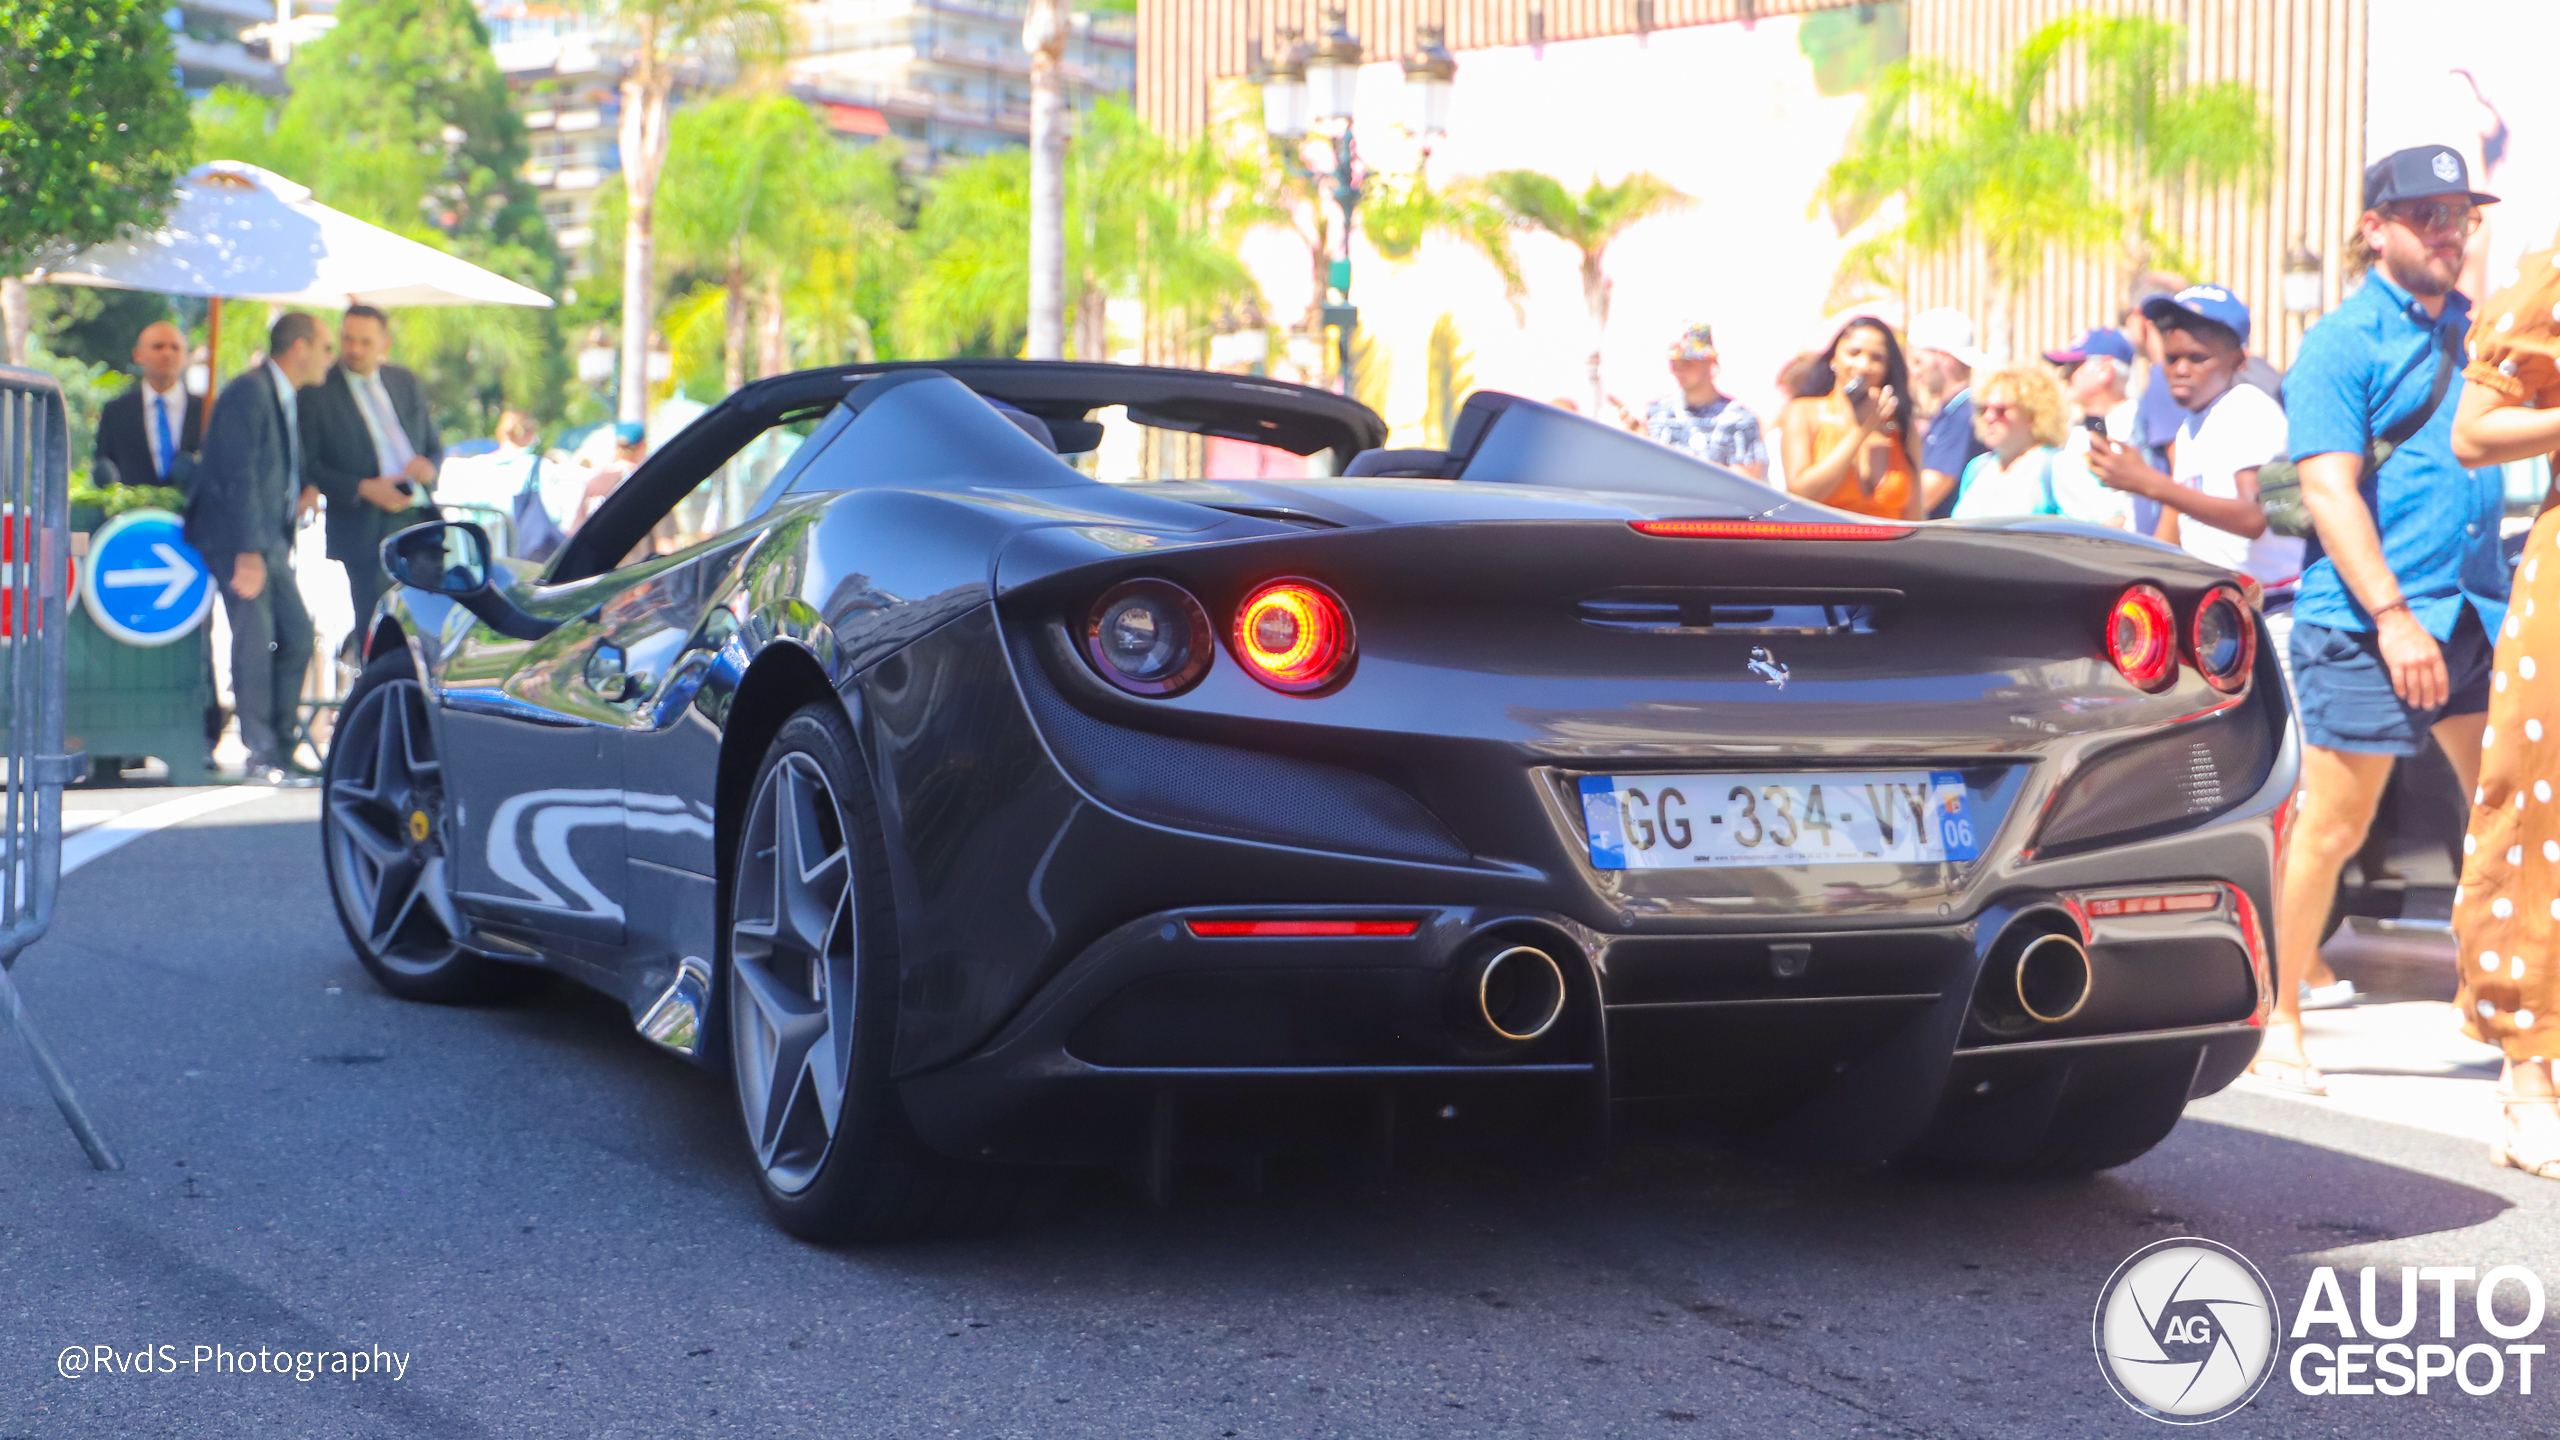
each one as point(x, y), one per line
point(979, 816)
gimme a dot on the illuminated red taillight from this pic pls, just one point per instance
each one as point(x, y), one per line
point(1765, 530)
point(1251, 929)
point(2142, 638)
point(2222, 640)
point(1294, 635)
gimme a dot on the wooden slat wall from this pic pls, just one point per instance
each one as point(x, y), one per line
point(2307, 57)
point(1185, 44)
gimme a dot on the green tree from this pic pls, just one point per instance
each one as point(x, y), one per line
point(762, 199)
point(1590, 222)
point(93, 133)
point(1447, 377)
point(2003, 162)
point(663, 36)
point(399, 117)
point(1146, 219)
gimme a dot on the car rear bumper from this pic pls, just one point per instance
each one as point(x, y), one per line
point(1159, 1043)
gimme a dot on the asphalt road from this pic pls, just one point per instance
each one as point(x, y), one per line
point(554, 1225)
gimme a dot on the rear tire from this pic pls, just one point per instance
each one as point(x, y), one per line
point(384, 827)
point(811, 987)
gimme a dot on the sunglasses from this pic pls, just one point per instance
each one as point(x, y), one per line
point(2429, 215)
point(2001, 411)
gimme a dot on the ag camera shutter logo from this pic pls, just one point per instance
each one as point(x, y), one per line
point(2186, 1330)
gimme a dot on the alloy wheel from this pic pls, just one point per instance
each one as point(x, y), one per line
point(792, 971)
point(386, 836)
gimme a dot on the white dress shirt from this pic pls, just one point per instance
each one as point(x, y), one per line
point(392, 449)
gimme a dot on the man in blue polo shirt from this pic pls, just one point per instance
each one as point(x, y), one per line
point(2396, 623)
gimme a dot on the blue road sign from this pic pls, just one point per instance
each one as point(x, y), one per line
point(144, 584)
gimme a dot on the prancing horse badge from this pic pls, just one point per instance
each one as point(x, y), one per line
point(1766, 666)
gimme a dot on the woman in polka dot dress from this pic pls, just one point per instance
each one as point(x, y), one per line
point(2508, 914)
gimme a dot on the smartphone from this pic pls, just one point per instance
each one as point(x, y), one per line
point(1853, 387)
point(2096, 425)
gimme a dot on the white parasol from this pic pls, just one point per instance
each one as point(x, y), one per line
point(242, 233)
point(238, 232)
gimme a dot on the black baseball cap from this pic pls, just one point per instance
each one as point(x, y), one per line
point(2419, 171)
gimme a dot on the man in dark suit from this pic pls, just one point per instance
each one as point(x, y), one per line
point(373, 450)
point(151, 433)
point(248, 495)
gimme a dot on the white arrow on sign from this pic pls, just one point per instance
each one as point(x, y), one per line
point(173, 572)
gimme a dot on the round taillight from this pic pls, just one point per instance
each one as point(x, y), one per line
point(2223, 641)
point(1149, 637)
point(2142, 638)
point(1294, 635)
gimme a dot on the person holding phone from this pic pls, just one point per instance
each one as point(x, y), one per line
point(2209, 501)
point(1846, 445)
point(2018, 412)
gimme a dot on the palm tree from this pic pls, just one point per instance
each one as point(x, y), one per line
point(1153, 222)
point(1044, 34)
point(734, 169)
point(662, 35)
point(1590, 223)
point(1999, 161)
point(1398, 216)
point(2167, 137)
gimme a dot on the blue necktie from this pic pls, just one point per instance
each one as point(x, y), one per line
point(168, 446)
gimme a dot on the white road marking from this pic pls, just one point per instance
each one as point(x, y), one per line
point(75, 821)
point(109, 835)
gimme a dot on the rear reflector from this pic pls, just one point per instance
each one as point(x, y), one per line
point(1765, 530)
point(2156, 904)
point(1243, 929)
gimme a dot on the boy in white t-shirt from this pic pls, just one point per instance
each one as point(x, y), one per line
point(2209, 504)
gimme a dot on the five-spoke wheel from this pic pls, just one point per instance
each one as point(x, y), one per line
point(383, 832)
point(792, 991)
point(812, 1003)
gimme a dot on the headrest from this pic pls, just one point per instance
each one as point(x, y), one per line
point(1405, 464)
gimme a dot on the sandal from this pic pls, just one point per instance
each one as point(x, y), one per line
point(2502, 1151)
point(2291, 1078)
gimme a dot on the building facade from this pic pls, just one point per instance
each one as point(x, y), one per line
point(2306, 58)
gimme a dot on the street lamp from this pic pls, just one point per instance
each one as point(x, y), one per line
point(1333, 71)
point(1310, 91)
point(1284, 88)
point(1430, 76)
point(2302, 277)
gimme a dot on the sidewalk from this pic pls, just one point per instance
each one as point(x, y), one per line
point(2400, 1055)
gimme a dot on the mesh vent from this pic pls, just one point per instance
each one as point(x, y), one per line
point(2211, 765)
point(1245, 794)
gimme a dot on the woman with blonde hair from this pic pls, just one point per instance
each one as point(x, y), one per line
point(2020, 413)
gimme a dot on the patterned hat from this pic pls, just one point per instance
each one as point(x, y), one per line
point(1698, 342)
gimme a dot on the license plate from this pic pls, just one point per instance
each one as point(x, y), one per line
point(1683, 822)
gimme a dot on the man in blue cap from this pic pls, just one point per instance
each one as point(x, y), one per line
point(2210, 496)
point(2396, 622)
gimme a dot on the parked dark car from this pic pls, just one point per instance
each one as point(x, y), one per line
point(979, 816)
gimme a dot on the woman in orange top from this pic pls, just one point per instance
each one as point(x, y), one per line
point(1845, 444)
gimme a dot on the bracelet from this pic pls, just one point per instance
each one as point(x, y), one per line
point(2400, 604)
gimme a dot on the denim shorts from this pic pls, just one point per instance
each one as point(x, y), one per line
point(2343, 695)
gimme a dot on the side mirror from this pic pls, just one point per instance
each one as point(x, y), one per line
point(451, 558)
point(442, 557)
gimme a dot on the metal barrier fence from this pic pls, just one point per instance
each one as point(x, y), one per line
point(35, 593)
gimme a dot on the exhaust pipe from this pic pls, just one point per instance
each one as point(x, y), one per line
point(2036, 973)
point(1514, 993)
point(2052, 980)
